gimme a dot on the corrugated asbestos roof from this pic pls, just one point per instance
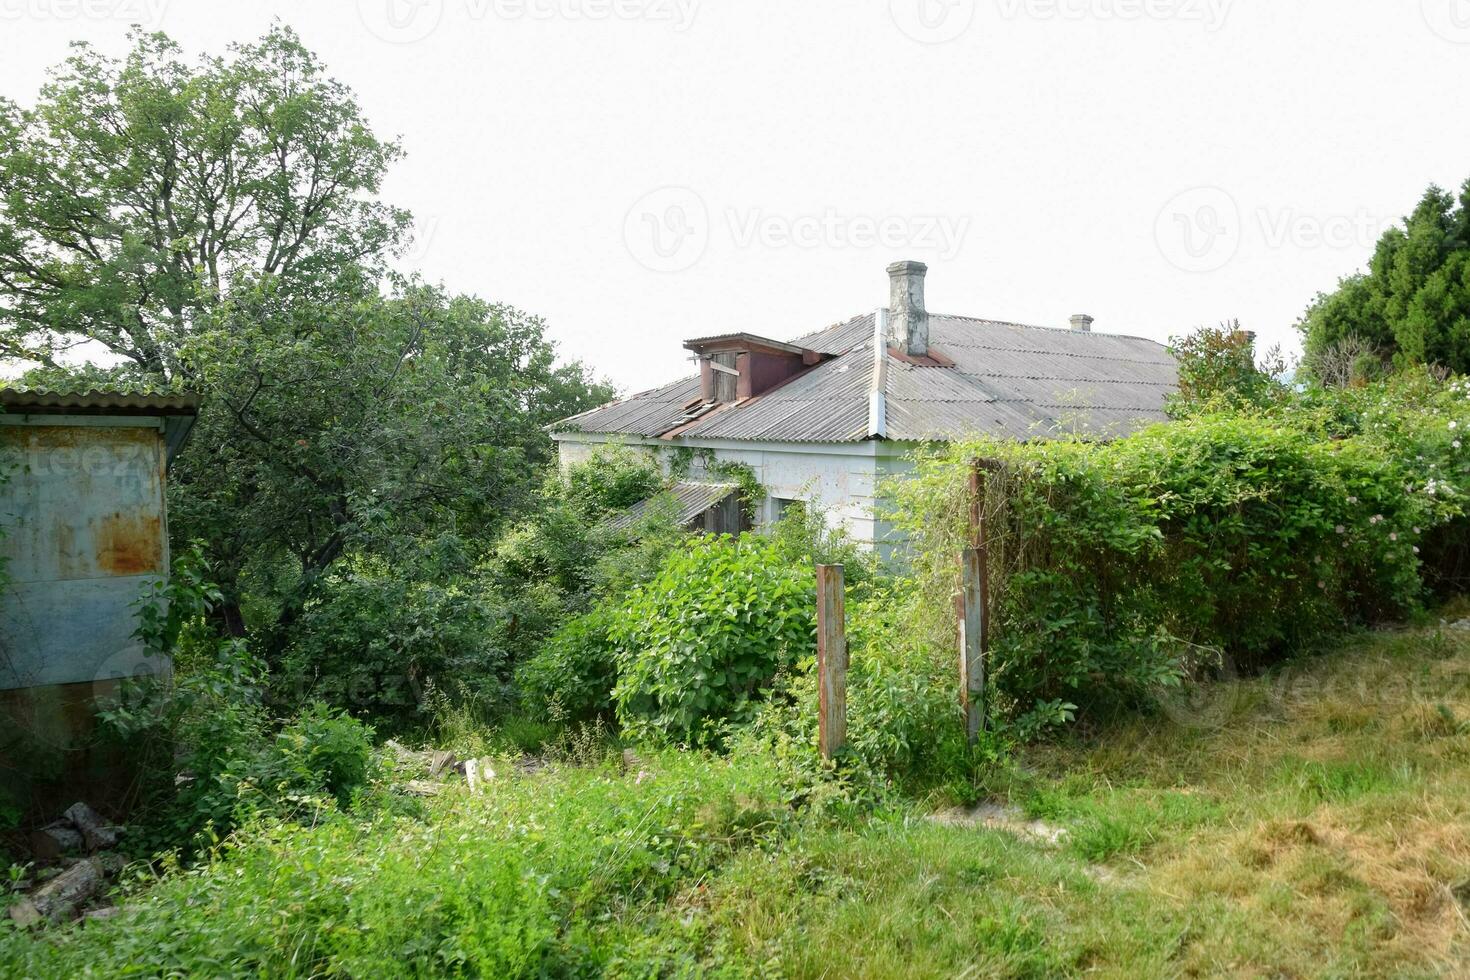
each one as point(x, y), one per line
point(690, 499)
point(1007, 380)
point(88, 398)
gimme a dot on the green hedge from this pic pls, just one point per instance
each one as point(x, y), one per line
point(1121, 567)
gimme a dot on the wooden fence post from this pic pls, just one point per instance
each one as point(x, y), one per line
point(973, 608)
point(831, 660)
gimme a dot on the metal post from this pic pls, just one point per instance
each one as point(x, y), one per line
point(831, 660)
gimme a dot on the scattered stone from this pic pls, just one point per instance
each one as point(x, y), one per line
point(442, 761)
point(111, 862)
point(106, 912)
point(96, 834)
point(59, 897)
point(51, 844)
point(422, 787)
point(1461, 624)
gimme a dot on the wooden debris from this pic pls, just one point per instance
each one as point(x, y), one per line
point(441, 763)
point(60, 896)
point(422, 787)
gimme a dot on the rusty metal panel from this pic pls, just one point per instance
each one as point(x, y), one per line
point(83, 515)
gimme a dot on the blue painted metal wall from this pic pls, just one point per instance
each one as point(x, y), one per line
point(85, 534)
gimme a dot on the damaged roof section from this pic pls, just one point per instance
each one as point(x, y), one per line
point(690, 500)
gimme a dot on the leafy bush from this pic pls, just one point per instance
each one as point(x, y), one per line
point(574, 672)
point(320, 751)
point(904, 724)
point(699, 643)
point(375, 635)
point(1121, 568)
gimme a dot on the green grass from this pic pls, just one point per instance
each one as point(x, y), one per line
point(1321, 829)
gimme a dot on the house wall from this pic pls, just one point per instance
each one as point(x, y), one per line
point(842, 479)
point(84, 535)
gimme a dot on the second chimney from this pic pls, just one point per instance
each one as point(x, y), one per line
point(908, 321)
point(1081, 321)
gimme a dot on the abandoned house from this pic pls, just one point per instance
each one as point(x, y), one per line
point(85, 534)
point(823, 419)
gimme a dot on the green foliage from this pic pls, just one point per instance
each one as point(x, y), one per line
point(374, 636)
point(1120, 569)
point(1412, 304)
point(1217, 370)
point(216, 226)
point(699, 643)
point(904, 724)
point(171, 605)
point(496, 885)
point(615, 478)
point(321, 750)
point(361, 425)
point(136, 194)
point(573, 673)
point(206, 747)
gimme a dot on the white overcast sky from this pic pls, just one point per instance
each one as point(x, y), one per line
point(643, 171)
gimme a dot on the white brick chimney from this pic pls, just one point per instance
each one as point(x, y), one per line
point(1082, 322)
point(908, 321)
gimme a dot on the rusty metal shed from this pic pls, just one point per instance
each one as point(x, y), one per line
point(85, 533)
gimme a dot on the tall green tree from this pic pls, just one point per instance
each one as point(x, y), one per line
point(138, 193)
point(363, 423)
point(217, 224)
point(1412, 305)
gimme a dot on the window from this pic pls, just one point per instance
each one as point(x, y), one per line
point(780, 505)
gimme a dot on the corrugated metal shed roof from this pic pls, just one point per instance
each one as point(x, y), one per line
point(1006, 379)
point(690, 499)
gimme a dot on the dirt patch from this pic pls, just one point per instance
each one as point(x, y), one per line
point(995, 816)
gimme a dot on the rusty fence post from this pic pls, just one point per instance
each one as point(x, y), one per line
point(831, 660)
point(972, 608)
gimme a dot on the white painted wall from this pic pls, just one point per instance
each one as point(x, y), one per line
point(842, 479)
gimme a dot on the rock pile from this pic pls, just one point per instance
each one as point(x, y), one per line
point(76, 856)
